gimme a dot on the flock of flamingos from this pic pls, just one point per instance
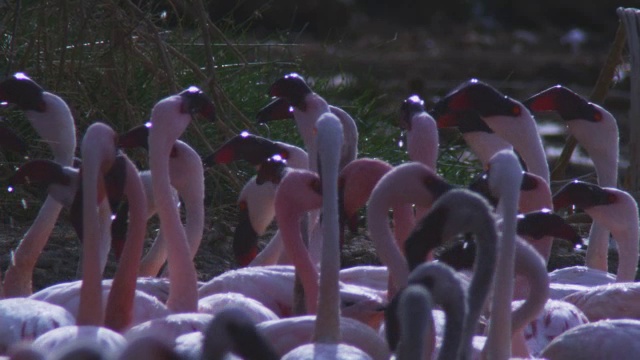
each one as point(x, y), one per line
point(488, 296)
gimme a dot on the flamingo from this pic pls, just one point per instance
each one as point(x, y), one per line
point(414, 313)
point(507, 117)
point(613, 339)
point(584, 119)
point(406, 184)
point(535, 195)
point(616, 210)
point(329, 325)
point(422, 131)
point(295, 98)
point(256, 198)
point(187, 178)
point(50, 116)
point(445, 289)
point(98, 150)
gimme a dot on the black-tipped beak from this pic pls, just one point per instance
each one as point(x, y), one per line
point(135, 137)
point(10, 141)
point(196, 102)
point(292, 88)
point(251, 148)
point(539, 224)
point(45, 172)
point(481, 186)
point(115, 180)
point(582, 195)
point(545, 100)
point(277, 109)
point(245, 238)
point(272, 170)
point(19, 89)
point(410, 106)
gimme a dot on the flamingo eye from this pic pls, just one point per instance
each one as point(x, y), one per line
point(516, 110)
point(597, 116)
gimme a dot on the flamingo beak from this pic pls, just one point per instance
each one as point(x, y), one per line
point(582, 195)
point(247, 147)
point(135, 137)
point(196, 102)
point(119, 229)
point(40, 171)
point(529, 182)
point(245, 238)
point(543, 223)
point(410, 106)
point(542, 101)
point(277, 109)
point(24, 92)
point(271, 170)
point(293, 89)
point(9, 140)
point(481, 186)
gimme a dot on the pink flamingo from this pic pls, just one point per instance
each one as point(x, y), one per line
point(584, 119)
point(50, 116)
point(187, 177)
point(507, 117)
point(404, 185)
point(620, 341)
point(295, 98)
point(98, 150)
point(445, 289)
point(256, 198)
point(329, 325)
point(422, 135)
point(535, 195)
point(616, 210)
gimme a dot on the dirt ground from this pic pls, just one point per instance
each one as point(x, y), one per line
point(411, 61)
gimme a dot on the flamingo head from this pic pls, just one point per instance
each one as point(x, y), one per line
point(194, 101)
point(251, 148)
point(582, 195)
point(135, 137)
point(410, 106)
point(42, 172)
point(245, 237)
point(538, 224)
point(436, 185)
point(278, 109)
point(568, 104)
point(481, 185)
point(272, 170)
point(476, 96)
point(19, 89)
point(362, 306)
point(293, 89)
point(10, 141)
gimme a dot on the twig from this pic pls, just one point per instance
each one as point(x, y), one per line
point(598, 95)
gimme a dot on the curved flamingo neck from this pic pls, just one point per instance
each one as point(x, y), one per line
point(416, 322)
point(402, 185)
point(621, 219)
point(119, 310)
point(532, 266)
point(330, 139)
point(167, 124)
point(505, 182)
point(57, 128)
point(523, 134)
point(484, 145)
point(422, 140)
point(350, 134)
point(291, 202)
point(96, 156)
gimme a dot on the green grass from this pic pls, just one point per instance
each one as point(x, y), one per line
point(112, 61)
